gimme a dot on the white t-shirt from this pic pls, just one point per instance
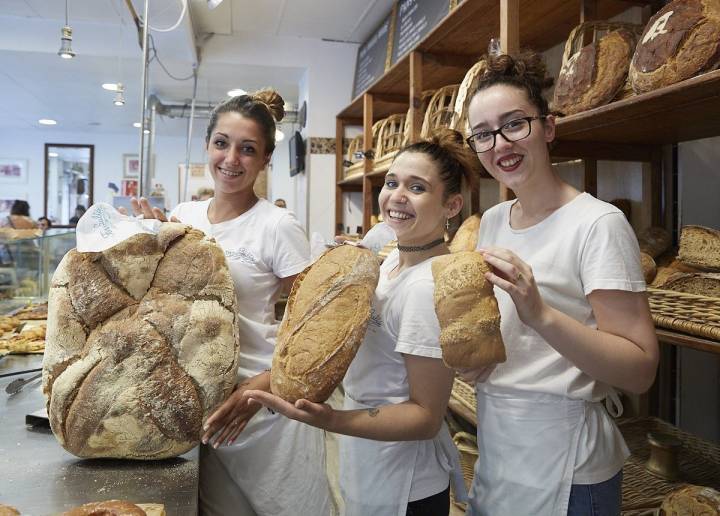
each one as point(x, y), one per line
point(262, 245)
point(583, 246)
point(403, 321)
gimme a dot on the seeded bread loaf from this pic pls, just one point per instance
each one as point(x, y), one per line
point(699, 283)
point(467, 311)
point(680, 41)
point(325, 321)
point(466, 237)
point(142, 345)
point(700, 247)
point(691, 501)
point(594, 75)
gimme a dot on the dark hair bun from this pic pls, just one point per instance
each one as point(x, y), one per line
point(525, 67)
point(273, 101)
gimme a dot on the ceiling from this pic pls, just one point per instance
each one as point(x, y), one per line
point(38, 84)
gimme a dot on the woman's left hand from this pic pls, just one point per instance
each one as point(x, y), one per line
point(516, 278)
point(315, 414)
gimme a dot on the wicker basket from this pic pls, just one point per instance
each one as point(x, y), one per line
point(440, 110)
point(686, 313)
point(642, 491)
point(464, 393)
point(357, 167)
point(467, 87)
point(390, 139)
point(596, 30)
point(424, 102)
point(466, 444)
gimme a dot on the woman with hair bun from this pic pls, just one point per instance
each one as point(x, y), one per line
point(575, 318)
point(396, 455)
point(253, 463)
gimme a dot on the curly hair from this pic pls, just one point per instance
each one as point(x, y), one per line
point(455, 161)
point(526, 71)
point(265, 107)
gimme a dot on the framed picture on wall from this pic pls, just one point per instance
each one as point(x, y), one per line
point(129, 187)
point(13, 170)
point(131, 165)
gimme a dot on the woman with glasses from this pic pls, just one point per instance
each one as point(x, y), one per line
point(575, 319)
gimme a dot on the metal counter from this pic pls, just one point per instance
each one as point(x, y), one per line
point(38, 477)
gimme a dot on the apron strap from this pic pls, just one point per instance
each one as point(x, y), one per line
point(613, 404)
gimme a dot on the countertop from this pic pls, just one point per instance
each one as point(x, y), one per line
point(38, 477)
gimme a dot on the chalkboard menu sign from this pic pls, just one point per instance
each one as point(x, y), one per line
point(372, 58)
point(415, 19)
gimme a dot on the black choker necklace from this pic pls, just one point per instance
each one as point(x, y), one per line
point(425, 247)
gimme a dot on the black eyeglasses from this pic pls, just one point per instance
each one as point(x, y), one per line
point(512, 131)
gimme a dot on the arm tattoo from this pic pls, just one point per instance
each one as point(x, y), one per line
point(372, 412)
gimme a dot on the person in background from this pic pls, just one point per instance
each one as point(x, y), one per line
point(19, 217)
point(205, 193)
point(574, 316)
point(396, 454)
point(280, 203)
point(44, 223)
point(253, 462)
point(79, 212)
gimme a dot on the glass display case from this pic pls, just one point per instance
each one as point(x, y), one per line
point(28, 259)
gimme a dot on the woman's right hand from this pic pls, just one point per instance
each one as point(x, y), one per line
point(142, 207)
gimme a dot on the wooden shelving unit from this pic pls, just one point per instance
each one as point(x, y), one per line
point(633, 129)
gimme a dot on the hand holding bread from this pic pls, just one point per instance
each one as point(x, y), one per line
point(316, 414)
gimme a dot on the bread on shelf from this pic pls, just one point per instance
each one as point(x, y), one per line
point(691, 501)
point(698, 283)
point(654, 241)
point(680, 41)
point(700, 247)
point(648, 266)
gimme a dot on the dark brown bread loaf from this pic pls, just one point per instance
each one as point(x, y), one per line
point(594, 75)
point(691, 501)
point(699, 283)
point(700, 247)
point(654, 241)
point(680, 41)
point(325, 321)
point(466, 237)
point(467, 311)
point(142, 344)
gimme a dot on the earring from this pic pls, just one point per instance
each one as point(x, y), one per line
point(447, 224)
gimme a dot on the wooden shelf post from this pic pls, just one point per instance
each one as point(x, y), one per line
point(367, 162)
point(416, 62)
point(339, 156)
point(510, 44)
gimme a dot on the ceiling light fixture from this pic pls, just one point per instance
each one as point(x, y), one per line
point(236, 92)
point(136, 124)
point(119, 96)
point(53, 154)
point(47, 121)
point(66, 51)
point(212, 4)
point(279, 135)
point(110, 86)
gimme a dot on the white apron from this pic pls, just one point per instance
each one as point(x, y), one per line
point(277, 463)
point(376, 476)
point(527, 445)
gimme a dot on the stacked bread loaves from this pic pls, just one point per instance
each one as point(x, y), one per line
point(467, 311)
point(141, 345)
point(691, 501)
point(325, 321)
point(593, 76)
point(680, 41)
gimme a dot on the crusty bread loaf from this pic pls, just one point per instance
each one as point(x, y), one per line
point(466, 237)
point(142, 345)
point(699, 283)
point(467, 311)
point(594, 75)
point(680, 41)
point(6, 510)
point(654, 241)
point(691, 501)
point(325, 321)
point(667, 270)
point(700, 247)
point(648, 266)
point(107, 508)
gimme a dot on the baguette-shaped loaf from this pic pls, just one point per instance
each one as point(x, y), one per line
point(325, 321)
point(467, 311)
point(700, 247)
point(699, 283)
point(466, 237)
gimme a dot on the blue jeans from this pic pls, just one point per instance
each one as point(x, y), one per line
point(601, 499)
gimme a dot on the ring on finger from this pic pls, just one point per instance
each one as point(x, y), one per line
point(519, 277)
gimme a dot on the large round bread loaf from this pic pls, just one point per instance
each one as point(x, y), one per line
point(325, 321)
point(594, 75)
point(680, 41)
point(691, 501)
point(467, 311)
point(141, 345)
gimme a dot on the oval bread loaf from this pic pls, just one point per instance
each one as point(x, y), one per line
point(325, 321)
point(467, 311)
point(142, 345)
